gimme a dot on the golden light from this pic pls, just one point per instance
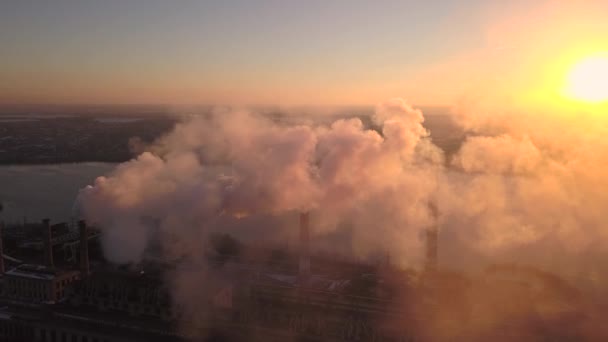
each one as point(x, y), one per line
point(588, 79)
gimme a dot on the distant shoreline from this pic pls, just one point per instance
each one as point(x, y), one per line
point(25, 164)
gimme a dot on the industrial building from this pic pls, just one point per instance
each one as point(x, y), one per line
point(67, 297)
point(72, 294)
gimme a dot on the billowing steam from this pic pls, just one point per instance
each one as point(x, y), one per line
point(528, 189)
point(242, 164)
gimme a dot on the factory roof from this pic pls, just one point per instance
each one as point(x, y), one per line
point(36, 272)
point(113, 324)
point(313, 282)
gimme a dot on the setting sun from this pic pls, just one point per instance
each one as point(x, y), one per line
point(588, 79)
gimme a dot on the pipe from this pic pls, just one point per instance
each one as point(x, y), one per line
point(48, 245)
point(84, 248)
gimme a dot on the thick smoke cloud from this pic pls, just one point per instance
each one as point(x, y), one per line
point(533, 185)
point(518, 181)
point(242, 164)
point(525, 188)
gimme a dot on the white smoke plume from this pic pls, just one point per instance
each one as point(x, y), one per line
point(238, 163)
point(533, 185)
point(521, 188)
point(534, 180)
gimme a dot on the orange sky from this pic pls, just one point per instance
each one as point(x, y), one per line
point(517, 52)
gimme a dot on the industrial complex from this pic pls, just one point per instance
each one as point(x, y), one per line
point(57, 287)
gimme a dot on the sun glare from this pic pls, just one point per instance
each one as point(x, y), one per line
point(588, 79)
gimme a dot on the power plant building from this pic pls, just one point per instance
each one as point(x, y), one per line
point(87, 301)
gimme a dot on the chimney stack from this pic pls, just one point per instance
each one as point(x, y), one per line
point(84, 248)
point(432, 234)
point(48, 244)
point(1, 249)
point(304, 269)
point(431, 249)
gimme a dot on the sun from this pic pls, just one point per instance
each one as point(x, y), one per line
point(588, 79)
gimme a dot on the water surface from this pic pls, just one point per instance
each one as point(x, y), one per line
point(34, 192)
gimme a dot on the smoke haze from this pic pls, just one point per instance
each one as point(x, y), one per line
point(527, 188)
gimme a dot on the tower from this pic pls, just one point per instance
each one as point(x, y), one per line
point(304, 264)
point(432, 235)
point(47, 238)
point(84, 248)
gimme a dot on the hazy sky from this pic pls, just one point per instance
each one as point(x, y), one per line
point(250, 52)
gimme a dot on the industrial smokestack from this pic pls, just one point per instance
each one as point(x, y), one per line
point(47, 237)
point(431, 249)
point(1, 249)
point(84, 248)
point(304, 269)
point(432, 234)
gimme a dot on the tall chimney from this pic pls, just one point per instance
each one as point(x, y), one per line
point(431, 249)
point(84, 248)
point(1, 249)
point(432, 234)
point(304, 269)
point(48, 246)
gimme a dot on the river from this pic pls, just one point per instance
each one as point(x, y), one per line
point(34, 192)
